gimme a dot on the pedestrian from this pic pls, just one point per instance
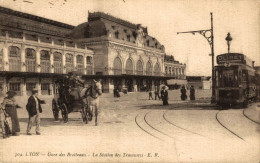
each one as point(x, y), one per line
point(34, 109)
point(192, 93)
point(156, 93)
point(164, 95)
point(10, 107)
point(150, 94)
point(4, 125)
point(183, 93)
point(115, 95)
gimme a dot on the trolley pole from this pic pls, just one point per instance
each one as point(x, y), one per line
point(208, 34)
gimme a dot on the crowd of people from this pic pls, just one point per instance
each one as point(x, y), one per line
point(164, 94)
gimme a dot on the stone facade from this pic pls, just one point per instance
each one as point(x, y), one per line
point(124, 52)
point(34, 51)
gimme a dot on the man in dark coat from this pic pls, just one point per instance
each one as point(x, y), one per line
point(164, 95)
point(192, 93)
point(34, 109)
point(183, 93)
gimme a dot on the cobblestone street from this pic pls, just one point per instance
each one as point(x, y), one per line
point(133, 128)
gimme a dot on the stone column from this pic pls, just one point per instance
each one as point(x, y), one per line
point(85, 64)
point(38, 87)
point(135, 85)
point(74, 61)
point(23, 85)
point(51, 61)
point(152, 84)
point(110, 86)
point(123, 82)
point(23, 65)
point(63, 62)
point(5, 57)
point(38, 60)
point(5, 85)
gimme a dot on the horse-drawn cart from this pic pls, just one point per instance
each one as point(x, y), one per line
point(71, 97)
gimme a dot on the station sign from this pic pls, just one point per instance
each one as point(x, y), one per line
point(230, 58)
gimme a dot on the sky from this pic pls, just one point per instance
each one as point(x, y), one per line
point(164, 18)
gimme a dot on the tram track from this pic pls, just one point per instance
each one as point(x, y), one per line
point(180, 126)
point(145, 130)
point(227, 127)
point(249, 118)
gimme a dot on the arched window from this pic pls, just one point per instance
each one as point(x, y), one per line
point(157, 69)
point(117, 66)
point(80, 65)
point(89, 65)
point(149, 68)
point(166, 70)
point(57, 61)
point(14, 58)
point(45, 61)
point(30, 60)
point(89, 60)
point(129, 66)
point(69, 63)
point(139, 67)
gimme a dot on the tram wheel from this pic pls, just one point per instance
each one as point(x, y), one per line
point(64, 113)
point(55, 110)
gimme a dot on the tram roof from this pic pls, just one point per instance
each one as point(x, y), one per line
point(237, 58)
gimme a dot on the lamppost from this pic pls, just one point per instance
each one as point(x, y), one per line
point(208, 34)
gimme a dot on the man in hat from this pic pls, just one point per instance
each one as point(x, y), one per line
point(164, 95)
point(34, 109)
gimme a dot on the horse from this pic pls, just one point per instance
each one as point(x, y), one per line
point(90, 96)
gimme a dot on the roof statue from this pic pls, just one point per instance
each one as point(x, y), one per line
point(140, 35)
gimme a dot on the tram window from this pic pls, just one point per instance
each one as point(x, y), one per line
point(244, 75)
point(228, 78)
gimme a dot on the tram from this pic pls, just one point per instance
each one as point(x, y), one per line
point(237, 80)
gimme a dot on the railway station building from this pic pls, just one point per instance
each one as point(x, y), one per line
point(126, 56)
point(35, 51)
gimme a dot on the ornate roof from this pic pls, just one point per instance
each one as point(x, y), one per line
point(33, 17)
point(100, 24)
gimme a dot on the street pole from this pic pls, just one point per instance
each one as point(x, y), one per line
point(210, 40)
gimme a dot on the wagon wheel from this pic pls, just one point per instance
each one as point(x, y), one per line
point(64, 113)
point(55, 110)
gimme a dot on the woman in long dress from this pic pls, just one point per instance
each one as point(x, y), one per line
point(10, 107)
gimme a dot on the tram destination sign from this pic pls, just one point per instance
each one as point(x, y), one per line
point(230, 58)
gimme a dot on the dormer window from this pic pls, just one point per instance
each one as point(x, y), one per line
point(156, 44)
point(117, 34)
point(128, 38)
point(147, 42)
